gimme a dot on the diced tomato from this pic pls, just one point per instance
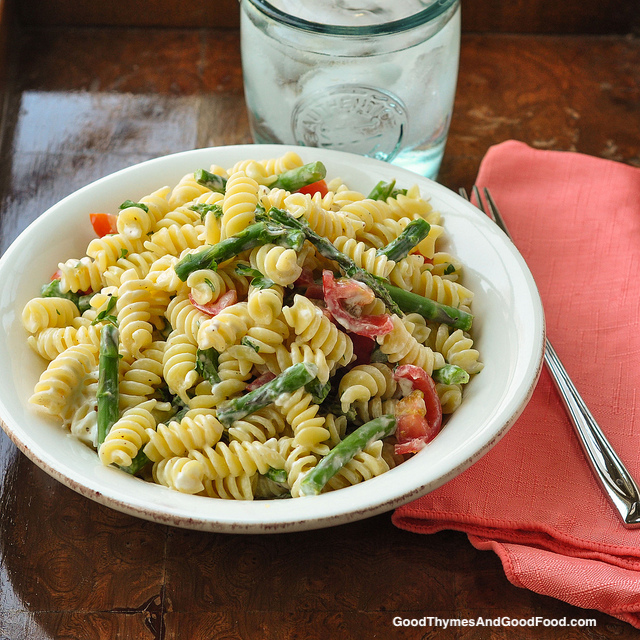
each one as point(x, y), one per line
point(305, 281)
point(362, 348)
point(104, 223)
point(354, 295)
point(305, 278)
point(56, 276)
point(260, 380)
point(419, 415)
point(214, 308)
point(315, 187)
point(315, 291)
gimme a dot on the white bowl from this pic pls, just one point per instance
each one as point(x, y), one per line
point(508, 331)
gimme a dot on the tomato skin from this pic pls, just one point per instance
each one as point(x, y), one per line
point(419, 415)
point(214, 308)
point(104, 223)
point(315, 187)
point(260, 380)
point(315, 291)
point(351, 292)
point(362, 348)
point(312, 288)
point(56, 276)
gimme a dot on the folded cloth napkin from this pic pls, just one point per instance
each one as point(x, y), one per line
point(533, 498)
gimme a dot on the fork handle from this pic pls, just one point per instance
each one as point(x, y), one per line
point(607, 466)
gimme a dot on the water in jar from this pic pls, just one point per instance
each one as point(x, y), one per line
point(385, 96)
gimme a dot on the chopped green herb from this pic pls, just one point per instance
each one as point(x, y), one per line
point(277, 475)
point(210, 180)
point(259, 281)
point(105, 314)
point(130, 203)
point(203, 209)
point(207, 365)
point(247, 342)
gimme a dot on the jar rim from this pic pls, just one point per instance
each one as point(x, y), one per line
point(396, 26)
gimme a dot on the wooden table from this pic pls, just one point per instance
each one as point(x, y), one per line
point(82, 103)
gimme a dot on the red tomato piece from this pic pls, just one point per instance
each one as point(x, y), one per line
point(315, 187)
point(354, 295)
point(305, 278)
point(104, 223)
point(419, 415)
point(260, 380)
point(57, 275)
point(315, 291)
point(214, 308)
point(362, 348)
point(306, 281)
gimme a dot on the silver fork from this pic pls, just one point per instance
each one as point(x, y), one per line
point(616, 481)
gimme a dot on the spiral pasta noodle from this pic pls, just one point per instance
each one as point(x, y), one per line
point(302, 414)
point(277, 263)
point(45, 313)
point(52, 341)
point(80, 275)
point(239, 204)
point(224, 329)
point(364, 257)
point(134, 313)
point(196, 430)
point(365, 381)
point(179, 364)
point(135, 221)
point(62, 378)
point(313, 327)
point(128, 435)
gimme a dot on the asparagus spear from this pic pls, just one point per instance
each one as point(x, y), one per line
point(362, 437)
point(382, 190)
point(139, 462)
point(210, 180)
point(324, 247)
point(295, 179)
point(416, 231)
point(108, 392)
point(413, 303)
point(277, 475)
point(451, 374)
point(253, 236)
point(318, 391)
point(288, 381)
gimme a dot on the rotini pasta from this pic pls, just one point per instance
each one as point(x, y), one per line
point(204, 321)
point(239, 204)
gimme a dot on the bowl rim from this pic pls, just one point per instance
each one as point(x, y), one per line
point(271, 516)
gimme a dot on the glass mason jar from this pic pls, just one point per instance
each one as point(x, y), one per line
point(378, 82)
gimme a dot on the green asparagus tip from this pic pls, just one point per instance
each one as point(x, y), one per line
point(210, 180)
point(376, 429)
point(451, 374)
point(299, 177)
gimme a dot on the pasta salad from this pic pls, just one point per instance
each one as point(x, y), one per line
point(257, 331)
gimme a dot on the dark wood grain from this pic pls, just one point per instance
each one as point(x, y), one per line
point(533, 16)
point(563, 93)
point(78, 108)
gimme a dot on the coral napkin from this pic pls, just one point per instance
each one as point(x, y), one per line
point(533, 499)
